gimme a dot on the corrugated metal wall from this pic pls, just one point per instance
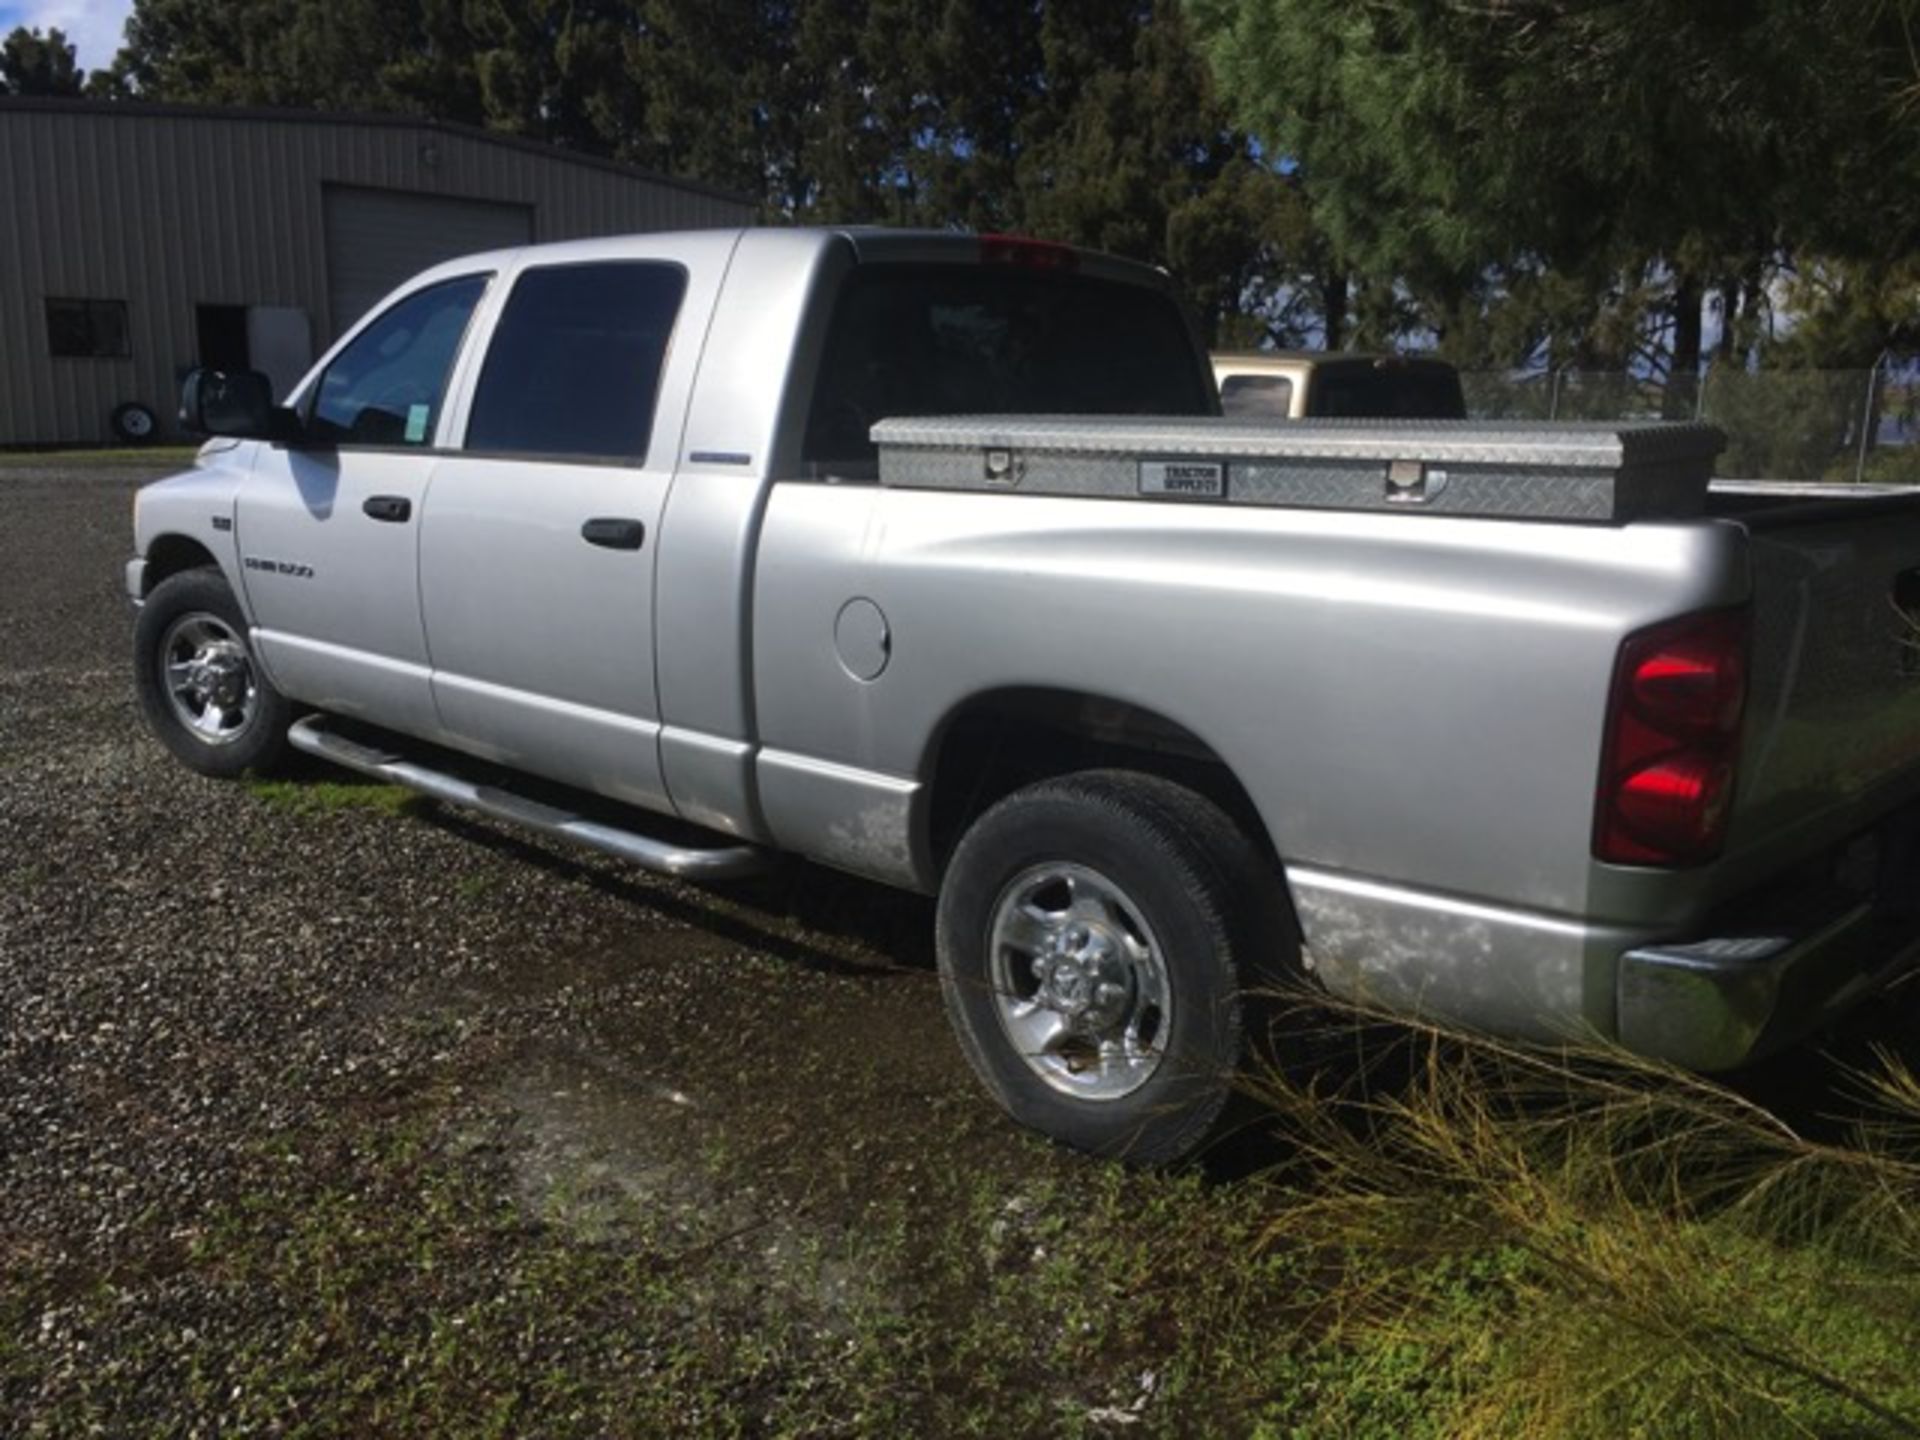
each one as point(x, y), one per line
point(171, 208)
point(377, 238)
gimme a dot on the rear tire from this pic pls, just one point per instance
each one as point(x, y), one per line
point(1097, 934)
point(203, 694)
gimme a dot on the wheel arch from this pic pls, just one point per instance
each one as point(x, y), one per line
point(171, 553)
point(997, 741)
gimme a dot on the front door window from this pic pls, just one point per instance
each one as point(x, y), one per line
point(387, 386)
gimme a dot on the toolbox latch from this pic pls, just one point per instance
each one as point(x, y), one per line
point(1002, 467)
point(1409, 482)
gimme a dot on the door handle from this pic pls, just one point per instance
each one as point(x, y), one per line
point(614, 533)
point(395, 509)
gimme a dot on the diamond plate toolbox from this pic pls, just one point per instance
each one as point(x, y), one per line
point(1605, 474)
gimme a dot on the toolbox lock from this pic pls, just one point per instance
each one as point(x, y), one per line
point(1003, 467)
point(1411, 483)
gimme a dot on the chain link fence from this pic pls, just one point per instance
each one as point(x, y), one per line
point(1780, 424)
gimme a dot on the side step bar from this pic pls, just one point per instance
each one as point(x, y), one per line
point(725, 862)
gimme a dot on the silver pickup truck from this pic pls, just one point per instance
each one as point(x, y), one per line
point(654, 544)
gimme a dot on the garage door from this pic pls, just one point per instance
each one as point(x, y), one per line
point(377, 238)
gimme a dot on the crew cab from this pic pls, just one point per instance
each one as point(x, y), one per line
point(640, 542)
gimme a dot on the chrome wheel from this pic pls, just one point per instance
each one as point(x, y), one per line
point(208, 678)
point(1079, 982)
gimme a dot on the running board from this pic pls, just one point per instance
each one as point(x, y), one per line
point(725, 862)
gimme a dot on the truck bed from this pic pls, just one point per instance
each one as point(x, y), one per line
point(1829, 574)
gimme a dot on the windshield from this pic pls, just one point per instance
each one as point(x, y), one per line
point(991, 340)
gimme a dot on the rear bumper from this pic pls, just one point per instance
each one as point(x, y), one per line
point(1724, 1001)
point(1719, 1004)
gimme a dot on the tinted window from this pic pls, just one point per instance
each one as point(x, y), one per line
point(386, 388)
point(988, 340)
point(1257, 397)
point(574, 366)
point(1407, 392)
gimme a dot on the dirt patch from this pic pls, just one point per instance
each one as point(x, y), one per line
point(590, 1140)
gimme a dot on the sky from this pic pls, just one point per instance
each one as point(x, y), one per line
point(92, 26)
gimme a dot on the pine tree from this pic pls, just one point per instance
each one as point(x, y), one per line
point(1598, 171)
point(37, 63)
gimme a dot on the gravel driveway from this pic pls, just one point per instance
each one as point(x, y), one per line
point(198, 978)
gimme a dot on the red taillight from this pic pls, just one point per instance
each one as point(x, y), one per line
point(1673, 742)
point(1696, 685)
point(1023, 250)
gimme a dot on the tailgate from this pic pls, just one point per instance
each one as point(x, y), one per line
point(1833, 737)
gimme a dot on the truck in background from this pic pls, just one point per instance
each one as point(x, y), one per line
point(1297, 384)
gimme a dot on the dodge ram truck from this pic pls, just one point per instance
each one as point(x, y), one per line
point(929, 557)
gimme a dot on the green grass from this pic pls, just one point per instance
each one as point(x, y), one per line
point(140, 454)
point(1502, 1243)
point(329, 797)
point(1668, 1257)
point(378, 1282)
point(385, 1275)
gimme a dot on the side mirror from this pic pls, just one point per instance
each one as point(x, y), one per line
point(240, 404)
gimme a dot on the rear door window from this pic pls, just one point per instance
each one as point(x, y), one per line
point(988, 340)
point(387, 386)
point(574, 365)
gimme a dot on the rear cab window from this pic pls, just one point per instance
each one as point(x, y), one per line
point(929, 339)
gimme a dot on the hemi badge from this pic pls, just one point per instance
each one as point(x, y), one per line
point(1186, 479)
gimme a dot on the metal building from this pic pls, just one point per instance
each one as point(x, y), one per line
point(137, 241)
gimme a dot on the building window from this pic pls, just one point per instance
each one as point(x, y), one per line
point(87, 328)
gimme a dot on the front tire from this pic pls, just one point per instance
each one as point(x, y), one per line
point(203, 694)
point(1096, 935)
